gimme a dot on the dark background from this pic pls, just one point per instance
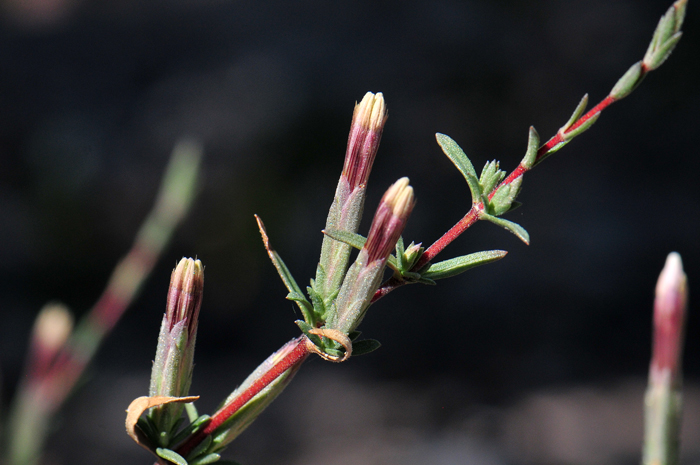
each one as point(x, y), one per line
point(93, 96)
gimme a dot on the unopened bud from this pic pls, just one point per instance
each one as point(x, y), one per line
point(389, 221)
point(52, 328)
point(185, 294)
point(663, 401)
point(345, 213)
point(172, 369)
point(364, 276)
point(669, 321)
point(368, 121)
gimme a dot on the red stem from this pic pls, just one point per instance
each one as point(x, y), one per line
point(297, 355)
point(462, 225)
point(472, 215)
point(557, 139)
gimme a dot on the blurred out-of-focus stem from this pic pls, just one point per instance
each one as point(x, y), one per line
point(43, 389)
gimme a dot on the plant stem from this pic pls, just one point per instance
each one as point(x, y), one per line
point(454, 232)
point(297, 355)
point(462, 225)
point(554, 141)
point(472, 215)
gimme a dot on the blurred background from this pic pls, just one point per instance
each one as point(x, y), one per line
point(539, 358)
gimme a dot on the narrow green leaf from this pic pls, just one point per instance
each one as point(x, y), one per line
point(163, 438)
point(413, 254)
point(664, 52)
point(221, 436)
point(393, 263)
point(285, 274)
point(514, 205)
point(400, 250)
point(669, 24)
point(504, 197)
point(491, 175)
point(551, 151)
point(171, 456)
point(333, 352)
point(305, 328)
point(410, 276)
point(365, 346)
point(455, 266)
point(533, 145)
point(293, 296)
point(289, 281)
point(190, 429)
point(680, 6)
point(175, 427)
point(581, 129)
point(317, 302)
point(206, 460)
point(200, 422)
point(509, 225)
point(191, 410)
point(354, 335)
point(320, 276)
point(580, 108)
point(201, 448)
point(626, 84)
point(455, 153)
point(148, 428)
point(355, 240)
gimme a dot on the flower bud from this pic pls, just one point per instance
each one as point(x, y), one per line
point(368, 121)
point(345, 213)
point(669, 320)
point(52, 328)
point(172, 370)
point(663, 401)
point(365, 275)
point(185, 295)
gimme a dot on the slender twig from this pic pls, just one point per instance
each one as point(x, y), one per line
point(554, 141)
point(472, 215)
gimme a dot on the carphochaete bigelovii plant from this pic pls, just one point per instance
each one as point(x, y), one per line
point(341, 293)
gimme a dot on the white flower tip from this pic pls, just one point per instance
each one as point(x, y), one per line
point(53, 326)
point(672, 278)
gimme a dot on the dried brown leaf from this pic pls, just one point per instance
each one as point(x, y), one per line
point(140, 405)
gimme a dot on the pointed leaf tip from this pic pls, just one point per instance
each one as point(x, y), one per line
point(457, 156)
point(171, 456)
point(514, 228)
point(365, 346)
point(458, 265)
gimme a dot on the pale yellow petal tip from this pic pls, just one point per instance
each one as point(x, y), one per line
point(400, 197)
point(53, 326)
point(672, 277)
point(379, 113)
point(371, 112)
